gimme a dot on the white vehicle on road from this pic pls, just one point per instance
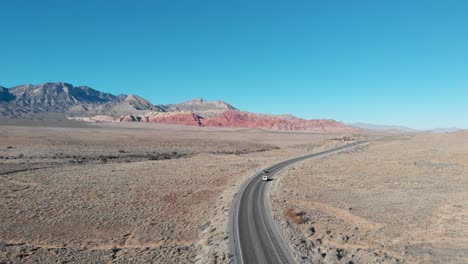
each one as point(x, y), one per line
point(265, 178)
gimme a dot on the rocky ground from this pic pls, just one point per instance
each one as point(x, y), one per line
point(398, 200)
point(128, 193)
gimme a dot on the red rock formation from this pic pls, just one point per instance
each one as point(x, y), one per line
point(232, 118)
point(238, 119)
point(177, 118)
point(183, 118)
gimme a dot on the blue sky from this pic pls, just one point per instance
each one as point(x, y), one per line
point(388, 62)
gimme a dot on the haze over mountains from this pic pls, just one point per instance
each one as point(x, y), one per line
point(387, 128)
point(401, 129)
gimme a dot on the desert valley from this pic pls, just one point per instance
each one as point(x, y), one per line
point(91, 177)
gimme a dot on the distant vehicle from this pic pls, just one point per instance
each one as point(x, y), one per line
point(265, 171)
point(265, 178)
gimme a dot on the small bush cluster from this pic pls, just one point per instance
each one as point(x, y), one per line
point(295, 217)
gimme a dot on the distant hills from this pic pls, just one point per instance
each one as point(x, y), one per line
point(383, 128)
point(400, 129)
point(87, 104)
point(63, 100)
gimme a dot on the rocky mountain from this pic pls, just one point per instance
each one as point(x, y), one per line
point(201, 107)
point(29, 100)
point(235, 119)
point(58, 96)
point(232, 118)
point(133, 104)
point(5, 95)
point(87, 104)
point(177, 118)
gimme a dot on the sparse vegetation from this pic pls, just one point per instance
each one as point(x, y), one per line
point(293, 216)
point(89, 184)
point(375, 204)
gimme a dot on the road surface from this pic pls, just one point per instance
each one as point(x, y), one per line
point(255, 238)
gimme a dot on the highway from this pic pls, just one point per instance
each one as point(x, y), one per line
point(254, 237)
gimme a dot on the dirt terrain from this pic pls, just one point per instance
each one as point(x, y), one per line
point(397, 200)
point(129, 193)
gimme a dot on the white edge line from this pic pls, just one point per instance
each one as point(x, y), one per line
point(275, 224)
point(234, 212)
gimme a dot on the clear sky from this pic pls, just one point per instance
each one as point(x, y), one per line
point(387, 62)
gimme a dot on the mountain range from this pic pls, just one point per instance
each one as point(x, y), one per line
point(87, 104)
point(29, 100)
point(384, 128)
point(401, 129)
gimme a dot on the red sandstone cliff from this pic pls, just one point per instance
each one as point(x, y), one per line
point(238, 119)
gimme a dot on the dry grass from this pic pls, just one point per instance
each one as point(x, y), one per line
point(115, 193)
point(397, 200)
point(293, 216)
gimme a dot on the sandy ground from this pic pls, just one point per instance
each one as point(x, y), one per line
point(121, 193)
point(398, 200)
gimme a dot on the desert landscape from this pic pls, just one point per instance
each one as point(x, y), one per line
point(131, 193)
point(116, 192)
point(233, 132)
point(396, 200)
point(90, 177)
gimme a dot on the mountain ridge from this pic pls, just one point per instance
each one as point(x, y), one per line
point(202, 107)
point(87, 104)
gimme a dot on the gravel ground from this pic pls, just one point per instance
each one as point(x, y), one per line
point(399, 200)
point(114, 193)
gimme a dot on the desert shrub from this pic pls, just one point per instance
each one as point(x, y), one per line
point(295, 217)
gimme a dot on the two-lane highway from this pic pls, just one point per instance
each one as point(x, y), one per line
point(254, 237)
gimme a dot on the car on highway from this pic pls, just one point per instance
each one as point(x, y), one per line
point(265, 171)
point(265, 178)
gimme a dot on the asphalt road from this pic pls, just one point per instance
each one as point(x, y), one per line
point(255, 238)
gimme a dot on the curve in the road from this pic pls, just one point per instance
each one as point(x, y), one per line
point(254, 237)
